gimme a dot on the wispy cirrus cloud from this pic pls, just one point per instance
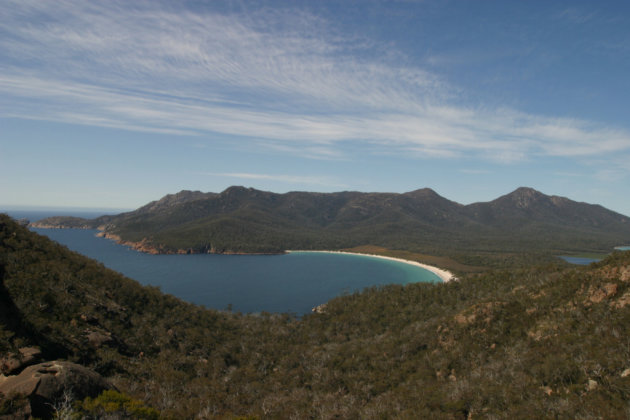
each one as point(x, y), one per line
point(297, 86)
point(576, 16)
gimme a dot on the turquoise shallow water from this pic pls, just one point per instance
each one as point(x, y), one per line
point(293, 283)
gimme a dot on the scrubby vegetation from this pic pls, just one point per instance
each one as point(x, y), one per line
point(110, 404)
point(548, 341)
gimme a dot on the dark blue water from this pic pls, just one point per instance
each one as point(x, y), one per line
point(294, 282)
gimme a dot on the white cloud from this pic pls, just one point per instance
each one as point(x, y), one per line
point(292, 83)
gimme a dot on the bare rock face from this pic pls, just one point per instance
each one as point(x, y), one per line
point(319, 309)
point(44, 385)
point(13, 363)
point(603, 292)
point(98, 339)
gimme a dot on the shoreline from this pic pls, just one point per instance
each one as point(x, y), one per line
point(442, 274)
point(143, 246)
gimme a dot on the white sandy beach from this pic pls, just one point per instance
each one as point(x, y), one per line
point(444, 275)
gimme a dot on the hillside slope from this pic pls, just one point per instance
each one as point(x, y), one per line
point(252, 221)
point(543, 342)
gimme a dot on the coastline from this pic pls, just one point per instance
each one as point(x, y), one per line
point(146, 247)
point(444, 275)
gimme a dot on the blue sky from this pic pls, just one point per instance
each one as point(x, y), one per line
point(114, 104)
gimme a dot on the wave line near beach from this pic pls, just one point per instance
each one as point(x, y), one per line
point(444, 275)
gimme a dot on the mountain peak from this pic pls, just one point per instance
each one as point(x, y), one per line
point(238, 190)
point(235, 188)
point(523, 197)
point(425, 190)
point(526, 192)
point(172, 200)
point(422, 193)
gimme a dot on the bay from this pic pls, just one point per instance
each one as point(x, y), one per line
point(294, 282)
point(289, 283)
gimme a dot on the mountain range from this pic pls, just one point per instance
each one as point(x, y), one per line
point(246, 220)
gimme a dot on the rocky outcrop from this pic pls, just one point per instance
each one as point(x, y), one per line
point(44, 385)
point(319, 309)
point(480, 312)
point(13, 363)
point(143, 246)
point(98, 339)
point(623, 301)
point(598, 294)
point(148, 247)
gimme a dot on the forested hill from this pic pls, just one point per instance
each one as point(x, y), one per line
point(541, 342)
point(247, 220)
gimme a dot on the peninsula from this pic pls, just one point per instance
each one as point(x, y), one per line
point(245, 220)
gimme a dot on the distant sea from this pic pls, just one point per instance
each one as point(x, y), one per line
point(34, 215)
point(293, 283)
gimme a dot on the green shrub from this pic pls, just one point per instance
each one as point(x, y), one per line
point(113, 402)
